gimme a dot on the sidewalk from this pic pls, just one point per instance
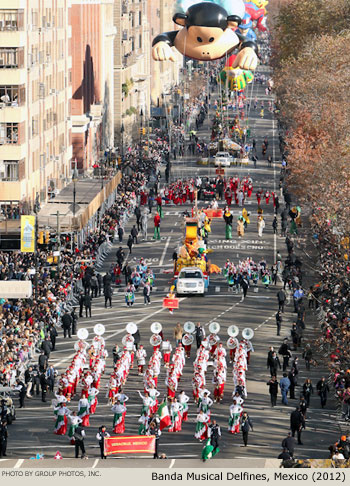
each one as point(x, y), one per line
point(87, 190)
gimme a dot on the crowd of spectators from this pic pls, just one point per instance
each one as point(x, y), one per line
point(26, 324)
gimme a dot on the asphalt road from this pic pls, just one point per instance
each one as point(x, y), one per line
point(33, 430)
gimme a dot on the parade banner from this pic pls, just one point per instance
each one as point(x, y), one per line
point(171, 303)
point(27, 234)
point(130, 444)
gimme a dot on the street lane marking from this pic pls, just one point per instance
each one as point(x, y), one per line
point(95, 464)
point(164, 251)
point(18, 464)
point(172, 463)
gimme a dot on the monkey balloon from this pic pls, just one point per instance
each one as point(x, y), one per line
point(208, 33)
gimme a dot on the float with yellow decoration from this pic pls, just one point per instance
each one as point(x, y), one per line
point(191, 267)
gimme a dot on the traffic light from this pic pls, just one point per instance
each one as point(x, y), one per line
point(41, 238)
point(141, 131)
point(47, 237)
point(144, 131)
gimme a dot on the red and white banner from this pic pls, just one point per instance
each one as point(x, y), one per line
point(171, 303)
point(130, 444)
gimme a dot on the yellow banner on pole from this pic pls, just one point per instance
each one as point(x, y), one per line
point(27, 234)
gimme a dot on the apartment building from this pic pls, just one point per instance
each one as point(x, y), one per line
point(164, 75)
point(92, 79)
point(35, 94)
point(132, 58)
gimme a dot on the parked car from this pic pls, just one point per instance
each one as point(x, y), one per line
point(223, 159)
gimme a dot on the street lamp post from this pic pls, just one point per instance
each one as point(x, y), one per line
point(141, 126)
point(36, 211)
point(75, 180)
point(122, 129)
point(141, 123)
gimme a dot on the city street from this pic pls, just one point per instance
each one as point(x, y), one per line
point(32, 432)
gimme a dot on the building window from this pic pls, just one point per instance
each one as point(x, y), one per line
point(140, 41)
point(133, 43)
point(11, 57)
point(140, 17)
point(9, 133)
point(11, 172)
point(11, 20)
point(12, 96)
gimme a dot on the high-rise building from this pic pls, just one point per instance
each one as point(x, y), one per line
point(132, 54)
point(92, 79)
point(35, 94)
point(164, 75)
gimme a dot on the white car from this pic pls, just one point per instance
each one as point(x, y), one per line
point(190, 281)
point(223, 159)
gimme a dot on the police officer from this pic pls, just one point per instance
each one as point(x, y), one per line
point(278, 322)
point(100, 436)
point(297, 423)
point(74, 317)
point(20, 386)
point(284, 351)
point(246, 425)
point(44, 385)
point(79, 436)
point(155, 430)
point(3, 438)
point(200, 334)
point(215, 434)
point(67, 324)
point(81, 303)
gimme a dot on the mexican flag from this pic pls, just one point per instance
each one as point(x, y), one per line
point(164, 416)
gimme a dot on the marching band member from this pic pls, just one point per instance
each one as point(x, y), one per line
point(187, 338)
point(167, 348)
point(147, 403)
point(201, 426)
point(121, 397)
point(84, 411)
point(183, 400)
point(171, 382)
point(113, 388)
point(141, 358)
point(219, 380)
point(119, 411)
point(61, 412)
point(233, 349)
point(176, 416)
point(74, 421)
point(92, 399)
point(236, 396)
point(204, 402)
point(235, 415)
point(143, 420)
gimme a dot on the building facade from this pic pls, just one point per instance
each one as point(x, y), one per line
point(35, 94)
point(92, 79)
point(132, 55)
